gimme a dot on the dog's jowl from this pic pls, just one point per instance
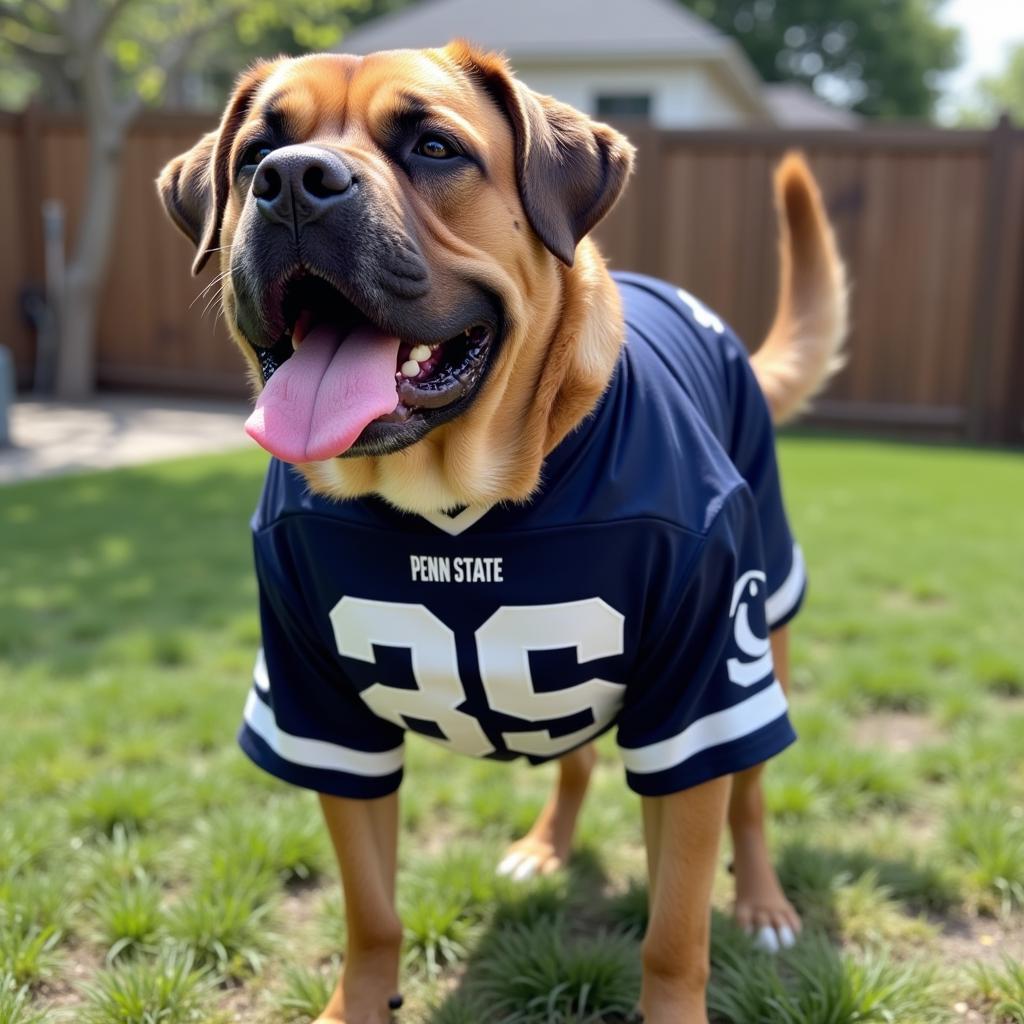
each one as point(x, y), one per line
point(515, 501)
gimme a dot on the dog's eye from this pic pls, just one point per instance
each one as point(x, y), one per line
point(255, 153)
point(435, 147)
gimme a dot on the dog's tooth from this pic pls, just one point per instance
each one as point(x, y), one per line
point(410, 368)
point(420, 353)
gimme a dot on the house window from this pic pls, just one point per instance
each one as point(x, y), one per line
point(624, 105)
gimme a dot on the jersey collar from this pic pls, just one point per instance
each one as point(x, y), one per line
point(455, 523)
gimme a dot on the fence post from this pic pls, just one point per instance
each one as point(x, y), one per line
point(980, 425)
point(1011, 420)
point(30, 182)
point(652, 238)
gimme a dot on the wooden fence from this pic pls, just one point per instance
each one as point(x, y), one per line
point(931, 224)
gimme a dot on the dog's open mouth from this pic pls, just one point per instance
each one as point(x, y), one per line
point(332, 373)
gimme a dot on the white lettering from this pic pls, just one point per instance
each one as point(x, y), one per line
point(359, 624)
point(462, 569)
point(593, 628)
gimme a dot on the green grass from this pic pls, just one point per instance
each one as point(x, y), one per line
point(168, 990)
point(128, 915)
point(1001, 988)
point(15, 1003)
point(149, 874)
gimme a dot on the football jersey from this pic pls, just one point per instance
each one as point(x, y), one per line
point(636, 590)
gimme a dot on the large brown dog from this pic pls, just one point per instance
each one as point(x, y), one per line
point(435, 211)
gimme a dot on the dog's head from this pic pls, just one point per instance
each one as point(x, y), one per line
point(395, 233)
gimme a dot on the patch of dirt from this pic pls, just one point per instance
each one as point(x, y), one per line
point(1009, 704)
point(246, 1002)
point(898, 599)
point(896, 731)
point(979, 938)
point(80, 963)
point(971, 940)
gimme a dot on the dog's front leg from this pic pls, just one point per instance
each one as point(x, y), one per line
point(365, 838)
point(682, 833)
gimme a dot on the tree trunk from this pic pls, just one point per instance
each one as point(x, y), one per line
point(86, 271)
point(87, 268)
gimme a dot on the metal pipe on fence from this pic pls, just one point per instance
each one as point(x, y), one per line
point(6, 395)
point(48, 325)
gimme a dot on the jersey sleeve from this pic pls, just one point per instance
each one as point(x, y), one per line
point(704, 700)
point(303, 722)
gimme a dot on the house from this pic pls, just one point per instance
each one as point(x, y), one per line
point(653, 59)
point(795, 106)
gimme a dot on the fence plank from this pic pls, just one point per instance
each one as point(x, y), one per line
point(930, 222)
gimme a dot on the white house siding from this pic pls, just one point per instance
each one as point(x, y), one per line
point(681, 97)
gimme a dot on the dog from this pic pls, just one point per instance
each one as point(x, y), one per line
point(515, 501)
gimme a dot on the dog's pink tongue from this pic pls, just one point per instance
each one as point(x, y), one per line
point(319, 400)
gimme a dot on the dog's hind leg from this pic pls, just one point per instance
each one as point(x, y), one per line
point(365, 838)
point(761, 907)
point(545, 848)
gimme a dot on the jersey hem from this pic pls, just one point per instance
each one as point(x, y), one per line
point(726, 759)
point(320, 780)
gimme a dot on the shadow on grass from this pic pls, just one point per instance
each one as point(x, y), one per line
point(811, 876)
point(571, 954)
point(554, 950)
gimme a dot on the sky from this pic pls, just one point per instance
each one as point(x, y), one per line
point(989, 27)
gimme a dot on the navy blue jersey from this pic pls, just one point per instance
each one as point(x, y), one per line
point(635, 590)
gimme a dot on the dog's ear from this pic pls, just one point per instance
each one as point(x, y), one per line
point(194, 187)
point(570, 170)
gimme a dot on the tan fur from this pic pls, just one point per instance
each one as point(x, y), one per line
point(550, 377)
point(564, 324)
point(804, 346)
point(564, 329)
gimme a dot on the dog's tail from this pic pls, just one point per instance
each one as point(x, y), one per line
point(804, 346)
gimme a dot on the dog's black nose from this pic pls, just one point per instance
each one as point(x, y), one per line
point(295, 185)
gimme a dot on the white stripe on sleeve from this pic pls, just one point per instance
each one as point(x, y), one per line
point(720, 727)
point(317, 753)
point(784, 600)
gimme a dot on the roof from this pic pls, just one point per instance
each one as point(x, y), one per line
point(795, 106)
point(539, 28)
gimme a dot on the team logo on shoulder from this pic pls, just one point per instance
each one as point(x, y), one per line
point(755, 661)
point(700, 312)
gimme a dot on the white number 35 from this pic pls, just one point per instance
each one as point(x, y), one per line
point(503, 645)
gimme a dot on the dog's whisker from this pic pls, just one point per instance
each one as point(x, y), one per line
point(217, 280)
point(214, 299)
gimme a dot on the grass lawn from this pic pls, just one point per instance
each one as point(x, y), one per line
point(150, 875)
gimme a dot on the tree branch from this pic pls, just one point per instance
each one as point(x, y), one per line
point(32, 43)
point(174, 54)
point(48, 9)
point(17, 15)
point(105, 19)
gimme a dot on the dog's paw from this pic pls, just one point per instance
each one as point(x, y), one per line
point(772, 928)
point(529, 858)
point(771, 940)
